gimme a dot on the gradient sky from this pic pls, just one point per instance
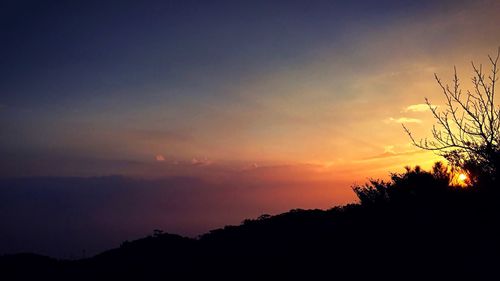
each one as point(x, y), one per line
point(280, 93)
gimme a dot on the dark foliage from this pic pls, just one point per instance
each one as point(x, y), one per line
point(415, 185)
point(414, 226)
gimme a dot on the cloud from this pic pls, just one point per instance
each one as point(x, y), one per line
point(403, 120)
point(201, 161)
point(389, 152)
point(389, 149)
point(160, 158)
point(251, 166)
point(421, 107)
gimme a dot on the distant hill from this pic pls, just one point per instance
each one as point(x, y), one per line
point(413, 230)
point(353, 241)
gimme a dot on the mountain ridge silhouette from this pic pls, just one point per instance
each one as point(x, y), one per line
point(415, 227)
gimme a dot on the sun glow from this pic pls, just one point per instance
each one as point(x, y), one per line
point(461, 179)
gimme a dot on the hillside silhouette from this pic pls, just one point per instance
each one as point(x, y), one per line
point(417, 225)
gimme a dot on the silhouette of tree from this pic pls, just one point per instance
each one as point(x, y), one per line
point(157, 233)
point(413, 184)
point(373, 192)
point(466, 132)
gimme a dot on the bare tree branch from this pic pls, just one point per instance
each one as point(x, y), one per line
point(467, 127)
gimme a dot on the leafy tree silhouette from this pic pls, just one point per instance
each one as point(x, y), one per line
point(466, 132)
point(412, 185)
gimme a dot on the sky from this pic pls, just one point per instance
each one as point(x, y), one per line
point(269, 105)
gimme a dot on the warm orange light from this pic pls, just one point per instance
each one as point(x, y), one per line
point(462, 178)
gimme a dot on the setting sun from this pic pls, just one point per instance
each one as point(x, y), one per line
point(462, 177)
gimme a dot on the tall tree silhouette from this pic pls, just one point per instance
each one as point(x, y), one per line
point(466, 132)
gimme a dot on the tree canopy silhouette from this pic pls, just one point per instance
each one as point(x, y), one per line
point(415, 185)
point(466, 132)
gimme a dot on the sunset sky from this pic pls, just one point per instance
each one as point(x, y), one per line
point(290, 101)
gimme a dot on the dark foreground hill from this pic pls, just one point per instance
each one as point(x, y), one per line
point(415, 229)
